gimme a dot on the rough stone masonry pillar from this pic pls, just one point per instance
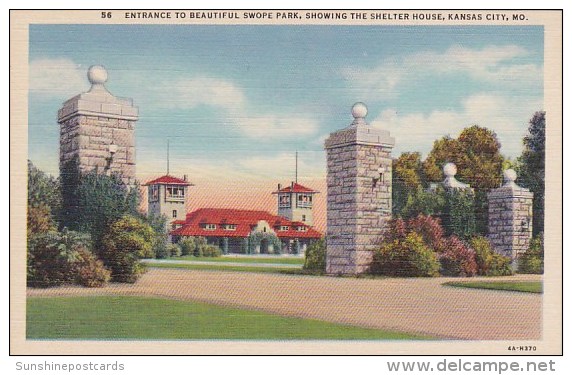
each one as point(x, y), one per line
point(510, 217)
point(98, 129)
point(359, 193)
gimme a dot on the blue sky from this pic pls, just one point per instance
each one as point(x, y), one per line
point(238, 101)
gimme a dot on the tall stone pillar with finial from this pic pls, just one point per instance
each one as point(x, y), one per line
point(97, 129)
point(510, 217)
point(359, 193)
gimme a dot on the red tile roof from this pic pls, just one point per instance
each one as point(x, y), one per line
point(168, 180)
point(245, 221)
point(295, 188)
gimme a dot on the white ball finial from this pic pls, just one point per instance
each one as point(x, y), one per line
point(450, 169)
point(359, 110)
point(97, 75)
point(509, 175)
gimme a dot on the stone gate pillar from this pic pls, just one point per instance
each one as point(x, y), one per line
point(359, 193)
point(510, 217)
point(98, 129)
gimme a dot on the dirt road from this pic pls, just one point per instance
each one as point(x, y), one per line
point(410, 305)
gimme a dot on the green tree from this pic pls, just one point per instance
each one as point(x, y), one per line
point(40, 220)
point(92, 201)
point(531, 167)
point(407, 179)
point(44, 201)
point(159, 225)
point(124, 243)
point(476, 153)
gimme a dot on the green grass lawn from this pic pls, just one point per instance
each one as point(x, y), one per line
point(245, 259)
point(127, 317)
point(223, 267)
point(513, 286)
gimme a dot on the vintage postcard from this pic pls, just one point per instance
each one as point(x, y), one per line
point(286, 182)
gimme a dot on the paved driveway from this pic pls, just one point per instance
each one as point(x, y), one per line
point(411, 305)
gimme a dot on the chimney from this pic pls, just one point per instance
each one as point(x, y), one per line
point(292, 186)
point(279, 187)
point(185, 177)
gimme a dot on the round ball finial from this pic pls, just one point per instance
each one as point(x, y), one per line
point(509, 175)
point(97, 75)
point(450, 169)
point(359, 110)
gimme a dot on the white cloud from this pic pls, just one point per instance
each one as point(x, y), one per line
point(493, 64)
point(194, 92)
point(275, 127)
point(237, 111)
point(506, 116)
point(62, 78)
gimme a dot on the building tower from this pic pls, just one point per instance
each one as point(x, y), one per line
point(295, 203)
point(359, 193)
point(97, 129)
point(168, 195)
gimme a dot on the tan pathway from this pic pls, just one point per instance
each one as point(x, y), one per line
point(409, 305)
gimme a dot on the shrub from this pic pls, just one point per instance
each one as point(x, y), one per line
point(125, 242)
point(200, 245)
point(211, 251)
point(457, 259)
point(458, 217)
point(40, 220)
point(316, 256)
point(173, 250)
point(93, 201)
point(187, 245)
point(429, 228)
point(489, 263)
point(424, 202)
point(159, 225)
point(407, 257)
point(52, 257)
point(161, 251)
point(532, 260)
point(89, 271)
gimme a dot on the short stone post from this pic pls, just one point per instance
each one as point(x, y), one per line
point(510, 217)
point(359, 193)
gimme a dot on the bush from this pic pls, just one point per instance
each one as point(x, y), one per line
point(316, 256)
point(489, 263)
point(89, 271)
point(200, 245)
point(458, 217)
point(173, 250)
point(159, 225)
point(457, 259)
point(40, 220)
point(52, 257)
point(424, 202)
point(429, 228)
point(532, 260)
point(407, 257)
point(211, 251)
point(160, 249)
point(187, 245)
point(125, 242)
